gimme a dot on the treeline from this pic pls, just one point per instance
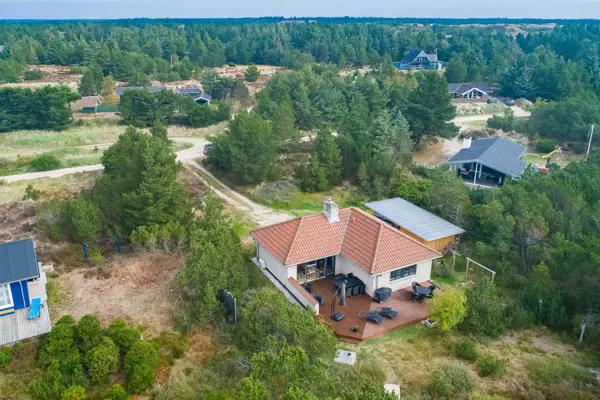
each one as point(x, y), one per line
point(45, 108)
point(142, 108)
point(377, 119)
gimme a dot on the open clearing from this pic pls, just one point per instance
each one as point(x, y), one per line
point(135, 288)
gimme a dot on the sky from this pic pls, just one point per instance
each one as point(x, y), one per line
point(101, 9)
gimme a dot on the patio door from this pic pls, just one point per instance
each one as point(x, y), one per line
point(325, 267)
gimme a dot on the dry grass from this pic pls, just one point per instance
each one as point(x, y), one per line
point(420, 350)
point(63, 187)
point(136, 288)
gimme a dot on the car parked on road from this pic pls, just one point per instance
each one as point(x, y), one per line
point(207, 148)
point(509, 102)
point(493, 100)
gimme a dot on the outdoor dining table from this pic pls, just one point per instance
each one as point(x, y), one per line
point(351, 281)
point(422, 290)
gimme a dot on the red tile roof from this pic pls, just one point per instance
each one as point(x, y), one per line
point(364, 239)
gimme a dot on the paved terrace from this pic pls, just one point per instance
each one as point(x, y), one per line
point(409, 312)
point(16, 327)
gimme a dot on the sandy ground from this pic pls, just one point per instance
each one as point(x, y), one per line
point(52, 75)
point(261, 214)
point(137, 290)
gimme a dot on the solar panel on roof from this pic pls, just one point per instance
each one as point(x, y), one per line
point(414, 219)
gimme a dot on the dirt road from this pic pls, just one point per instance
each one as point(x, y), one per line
point(259, 213)
point(188, 154)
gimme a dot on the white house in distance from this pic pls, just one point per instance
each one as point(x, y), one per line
point(347, 241)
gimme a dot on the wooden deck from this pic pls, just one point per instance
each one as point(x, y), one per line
point(409, 312)
point(16, 327)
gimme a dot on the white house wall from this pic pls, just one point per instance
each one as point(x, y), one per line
point(273, 264)
point(423, 274)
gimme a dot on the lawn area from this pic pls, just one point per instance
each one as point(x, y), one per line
point(88, 136)
point(62, 187)
point(539, 365)
point(562, 159)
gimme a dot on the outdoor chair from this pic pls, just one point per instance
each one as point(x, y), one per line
point(348, 292)
point(308, 287)
point(387, 312)
point(34, 308)
point(372, 316)
point(319, 299)
point(361, 289)
point(350, 275)
point(355, 290)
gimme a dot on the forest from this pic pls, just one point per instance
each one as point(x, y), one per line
point(341, 121)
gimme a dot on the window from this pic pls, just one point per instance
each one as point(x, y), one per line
point(403, 273)
point(5, 296)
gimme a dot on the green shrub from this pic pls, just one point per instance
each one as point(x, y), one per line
point(251, 74)
point(116, 392)
point(491, 366)
point(74, 393)
point(579, 147)
point(485, 311)
point(171, 346)
point(31, 193)
point(545, 145)
point(78, 69)
point(5, 356)
point(51, 384)
point(89, 332)
point(466, 350)
point(50, 218)
point(549, 370)
point(519, 317)
point(122, 335)
point(83, 220)
point(443, 269)
point(140, 367)
point(450, 381)
point(276, 193)
point(33, 75)
point(102, 360)
point(44, 162)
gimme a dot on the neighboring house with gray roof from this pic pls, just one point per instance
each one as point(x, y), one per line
point(488, 161)
point(22, 282)
point(479, 90)
point(429, 229)
point(419, 60)
point(198, 94)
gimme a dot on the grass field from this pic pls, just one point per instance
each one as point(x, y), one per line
point(62, 187)
point(562, 160)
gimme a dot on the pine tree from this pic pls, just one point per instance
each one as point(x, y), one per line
point(329, 156)
point(159, 130)
point(402, 143)
point(87, 84)
point(315, 179)
point(252, 74)
point(284, 129)
point(108, 94)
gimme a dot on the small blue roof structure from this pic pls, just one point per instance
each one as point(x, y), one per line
point(203, 96)
point(499, 154)
point(18, 261)
point(414, 219)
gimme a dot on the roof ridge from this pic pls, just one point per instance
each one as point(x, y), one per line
point(287, 256)
point(379, 235)
point(397, 231)
point(345, 228)
point(275, 224)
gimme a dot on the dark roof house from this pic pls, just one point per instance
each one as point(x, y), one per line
point(18, 261)
point(23, 297)
point(418, 59)
point(469, 90)
point(500, 156)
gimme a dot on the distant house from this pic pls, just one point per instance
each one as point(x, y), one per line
point(429, 229)
point(90, 104)
point(480, 90)
point(198, 94)
point(487, 162)
point(419, 60)
point(22, 282)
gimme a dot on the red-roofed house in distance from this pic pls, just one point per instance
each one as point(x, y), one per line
point(303, 256)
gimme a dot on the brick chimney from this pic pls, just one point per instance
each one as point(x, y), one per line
point(331, 211)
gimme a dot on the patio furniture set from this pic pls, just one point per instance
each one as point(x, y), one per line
point(421, 293)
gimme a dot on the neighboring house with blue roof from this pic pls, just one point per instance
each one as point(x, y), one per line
point(487, 162)
point(419, 60)
point(22, 279)
point(479, 90)
point(198, 94)
point(429, 229)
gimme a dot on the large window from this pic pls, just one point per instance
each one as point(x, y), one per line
point(5, 297)
point(403, 273)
